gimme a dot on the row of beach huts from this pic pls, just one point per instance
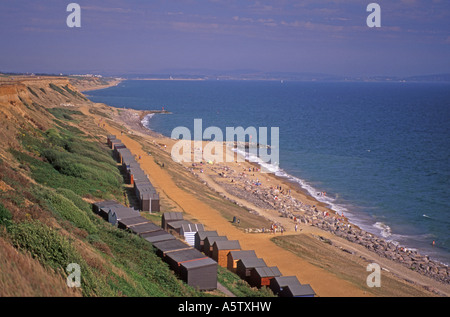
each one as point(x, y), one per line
point(192, 252)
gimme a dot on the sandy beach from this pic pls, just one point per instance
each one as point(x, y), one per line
point(310, 240)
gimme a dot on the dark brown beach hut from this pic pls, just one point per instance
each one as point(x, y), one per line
point(261, 276)
point(289, 286)
point(109, 138)
point(200, 274)
point(149, 201)
point(221, 248)
point(116, 214)
point(245, 265)
point(234, 256)
point(101, 208)
point(200, 237)
point(165, 247)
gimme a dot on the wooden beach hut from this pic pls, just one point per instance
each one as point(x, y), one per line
point(221, 248)
point(168, 217)
point(109, 139)
point(289, 286)
point(194, 268)
point(149, 201)
point(116, 214)
point(188, 231)
point(165, 247)
point(200, 274)
point(245, 265)
point(101, 208)
point(209, 242)
point(112, 143)
point(261, 276)
point(234, 256)
point(200, 237)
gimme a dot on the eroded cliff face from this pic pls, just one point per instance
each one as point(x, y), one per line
point(24, 103)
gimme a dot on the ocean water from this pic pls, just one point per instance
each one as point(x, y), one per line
point(380, 151)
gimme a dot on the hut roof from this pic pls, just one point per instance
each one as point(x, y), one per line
point(158, 236)
point(237, 255)
point(265, 271)
point(192, 227)
point(211, 239)
point(283, 281)
point(111, 137)
point(145, 227)
point(252, 262)
point(227, 244)
point(129, 222)
point(199, 263)
point(123, 212)
point(172, 216)
point(186, 255)
point(202, 235)
point(171, 245)
point(299, 290)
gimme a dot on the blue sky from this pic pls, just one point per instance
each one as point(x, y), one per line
point(139, 36)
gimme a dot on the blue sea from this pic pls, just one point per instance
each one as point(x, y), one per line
point(380, 151)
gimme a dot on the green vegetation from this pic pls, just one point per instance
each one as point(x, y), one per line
point(5, 216)
point(56, 88)
point(64, 114)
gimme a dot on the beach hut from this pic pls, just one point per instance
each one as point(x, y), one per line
point(123, 153)
point(157, 236)
point(200, 274)
point(174, 258)
point(112, 143)
point(245, 265)
point(261, 276)
point(200, 237)
point(116, 214)
point(289, 286)
point(221, 248)
point(109, 139)
point(209, 242)
point(168, 217)
point(234, 256)
point(101, 208)
point(304, 290)
point(135, 173)
point(188, 231)
point(129, 222)
point(165, 247)
point(149, 201)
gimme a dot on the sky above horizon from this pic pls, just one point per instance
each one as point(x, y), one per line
point(312, 36)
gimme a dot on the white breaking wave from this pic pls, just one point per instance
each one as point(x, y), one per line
point(146, 120)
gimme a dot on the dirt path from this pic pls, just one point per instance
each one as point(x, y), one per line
point(323, 282)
